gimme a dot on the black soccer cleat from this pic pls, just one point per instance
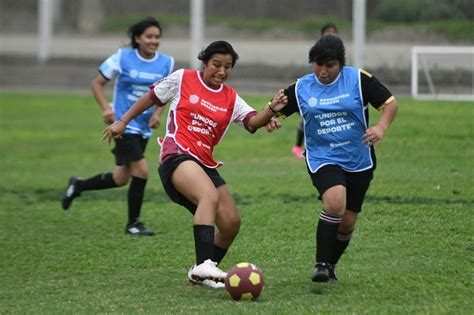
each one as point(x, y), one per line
point(321, 273)
point(72, 191)
point(332, 274)
point(137, 228)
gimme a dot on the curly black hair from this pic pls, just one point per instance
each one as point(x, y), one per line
point(327, 48)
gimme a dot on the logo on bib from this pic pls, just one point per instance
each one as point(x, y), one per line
point(313, 101)
point(133, 73)
point(193, 99)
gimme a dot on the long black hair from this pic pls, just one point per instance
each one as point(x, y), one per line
point(218, 47)
point(327, 48)
point(139, 28)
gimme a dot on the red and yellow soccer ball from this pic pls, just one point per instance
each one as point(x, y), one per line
point(244, 281)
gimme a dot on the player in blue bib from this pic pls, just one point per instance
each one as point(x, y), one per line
point(134, 70)
point(298, 148)
point(333, 102)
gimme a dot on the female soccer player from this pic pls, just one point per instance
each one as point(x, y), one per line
point(332, 100)
point(135, 69)
point(201, 109)
point(297, 149)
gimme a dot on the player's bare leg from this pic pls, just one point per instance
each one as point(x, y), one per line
point(228, 223)
point(194, 184)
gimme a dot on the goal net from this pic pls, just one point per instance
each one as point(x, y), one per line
point(442, 73)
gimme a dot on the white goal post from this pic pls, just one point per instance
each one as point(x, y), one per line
point(448, 72)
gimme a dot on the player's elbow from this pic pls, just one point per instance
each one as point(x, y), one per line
point(393, 106)
point(95, 86)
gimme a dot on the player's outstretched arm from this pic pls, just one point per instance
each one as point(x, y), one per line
point(116, 130)
point(264, 116)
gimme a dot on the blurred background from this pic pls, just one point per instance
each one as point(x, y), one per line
point(272, 37)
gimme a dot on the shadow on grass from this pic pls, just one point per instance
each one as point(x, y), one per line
point(395, 200)
point(319, 290)
point(29, 197)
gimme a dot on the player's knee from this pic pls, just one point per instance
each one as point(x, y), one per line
point(334, 200)
point(336, 207)
point(210, 199)
point(348, 222)
point(121, 183)
point(141, 172)
point(231, 226)
point(121, 180)
point(346, 227)
point(234, 223)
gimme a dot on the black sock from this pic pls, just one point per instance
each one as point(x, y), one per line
point(204, 242)
point(326, 233)
point(342, 241)
point(300, 135)
point(219, 254)
point(99, 181)
point(136, 191)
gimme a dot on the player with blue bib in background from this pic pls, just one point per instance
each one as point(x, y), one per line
point(134, 70)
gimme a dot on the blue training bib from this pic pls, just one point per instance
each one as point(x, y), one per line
point(334, 121)
point(135, 75)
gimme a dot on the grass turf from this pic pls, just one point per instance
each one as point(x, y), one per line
point(412, 250)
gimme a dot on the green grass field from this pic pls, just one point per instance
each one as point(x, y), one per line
point(412, 252)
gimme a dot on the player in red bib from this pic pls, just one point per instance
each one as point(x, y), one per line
point(201, 109)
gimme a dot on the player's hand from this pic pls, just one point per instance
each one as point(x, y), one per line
point(279, 101)
point(374, 135)
point(154, 122)
point(108, 116)
point(273, 124)
point(114, 131)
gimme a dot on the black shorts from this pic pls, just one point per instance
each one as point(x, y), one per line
point(356, 183)
point(129, 148)
point(166, 170)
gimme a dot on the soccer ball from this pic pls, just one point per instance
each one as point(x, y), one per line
point(244, 281)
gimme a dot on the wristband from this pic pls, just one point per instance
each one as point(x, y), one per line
point(271, 109)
